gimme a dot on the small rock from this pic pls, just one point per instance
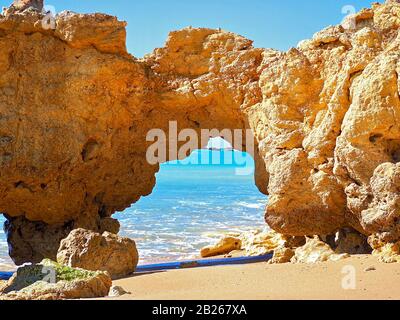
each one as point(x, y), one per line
point(225, 246)
point(370, 269)
point(117, 291)
point(282, 255)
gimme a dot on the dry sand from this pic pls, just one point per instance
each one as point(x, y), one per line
point(7, 267)
point(263, 281)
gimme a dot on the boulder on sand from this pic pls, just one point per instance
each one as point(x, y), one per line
point(51, 281)
point(117, 291)
point(224, 246)
point(94, 251)
point(282, 255)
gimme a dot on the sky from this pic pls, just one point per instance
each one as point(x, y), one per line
point(278, 24)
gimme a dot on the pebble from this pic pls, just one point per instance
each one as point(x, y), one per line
point(370, 269)
point(117, 291)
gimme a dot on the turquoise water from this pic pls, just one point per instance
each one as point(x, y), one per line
point(190, 207)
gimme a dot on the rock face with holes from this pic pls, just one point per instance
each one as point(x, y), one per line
point(75, 109)
point(329, 128)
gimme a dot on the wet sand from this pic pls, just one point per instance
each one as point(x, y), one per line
point(373, 280)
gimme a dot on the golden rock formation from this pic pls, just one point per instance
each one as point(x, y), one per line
point(285, 249)
point(386, 252)
point(315, 251)
point(255, 243)
point(76, 107)
point(108, 252)
point(224, 246)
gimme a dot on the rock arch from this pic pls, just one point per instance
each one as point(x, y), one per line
point(75, 109)
point(76, 113)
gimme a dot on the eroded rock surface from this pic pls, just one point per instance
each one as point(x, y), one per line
point(256, 243)
point(224, 246)
point(285, 249)
point(94, 251)
point(34, 282)
point(386, 252)
point(22, 5)
point(352, 242)
point(328, 129)
point(34, 241)
point(316, 251)
point(75, 109)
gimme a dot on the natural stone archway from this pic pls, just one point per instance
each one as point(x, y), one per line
point(76, 112)
point(75, 109)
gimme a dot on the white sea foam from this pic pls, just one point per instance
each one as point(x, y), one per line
point(193, 203)
point(250, 205)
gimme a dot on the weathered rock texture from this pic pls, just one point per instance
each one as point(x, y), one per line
point(386, 252)
point(22, 5)
point(285, 249)
point(3, 284)
point(117, 291)
point(92, 251)
point(35, 241)
point(315, 251)
point(75, 109)
point(34, 282)
point(351, 242)
point(224, 246)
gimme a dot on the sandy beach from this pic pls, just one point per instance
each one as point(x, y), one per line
point(268, 282)
point(260, 281)
point(163, 133)
point(7, 267)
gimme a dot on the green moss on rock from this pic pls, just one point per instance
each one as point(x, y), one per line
point(52, 281)
point(47, 272)
point(65, 273)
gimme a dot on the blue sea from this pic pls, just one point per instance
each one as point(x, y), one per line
point(193, 203)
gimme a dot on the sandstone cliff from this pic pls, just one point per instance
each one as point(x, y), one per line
point(75, 109)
